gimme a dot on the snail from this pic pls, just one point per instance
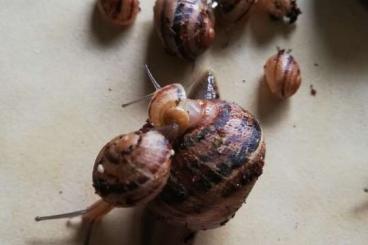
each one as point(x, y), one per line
point(199, 159)
point(230, 11)
point(119, 12)
point(279, 9)
point(282, 74)
point(133, 168)
point(185, 28)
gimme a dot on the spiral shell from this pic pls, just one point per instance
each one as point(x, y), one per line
point(163, 100)
point(234, 10)
point(132, 169)
point(119, 12)
point(282, 74)
point(186, 28)
point(215, 166)
point(283, 8)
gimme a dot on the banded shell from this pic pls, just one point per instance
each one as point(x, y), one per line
point(119, 12)
point(282, 74)
point(283, 8)
point(132, 169)
point(234, 10)
point(185, 28)
point(215, 167)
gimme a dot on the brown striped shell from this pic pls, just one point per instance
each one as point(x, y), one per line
point(282, 74)
point(119, 12)
point(234, 10)
point(132, 169)
point(283, 8)
point(186, 28)
point(214, 168)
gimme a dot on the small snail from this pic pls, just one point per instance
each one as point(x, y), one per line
point(282, 74)
point(231, 11)
point(119, 12)
point(132, 169)
point(279, 9)
point(185, 28)
point(215, 148)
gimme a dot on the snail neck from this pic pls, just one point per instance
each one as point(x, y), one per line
point(188, 114)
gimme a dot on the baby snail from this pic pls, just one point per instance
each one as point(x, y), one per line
point(230, 11)
point(206, 153)
point(185, 28)
point(282, 74)
point(119, 12)
point(279, 9)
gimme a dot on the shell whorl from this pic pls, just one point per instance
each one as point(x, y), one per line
point(186, 28)
point(164, 99)
point(132, 169)
point(215, 166)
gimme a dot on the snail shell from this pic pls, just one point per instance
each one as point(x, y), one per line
point(234, 10)
point(282, 74)
point(283, 8)
point(217, 161)
point(133, 168)
point(119, 12)
point(186, 28)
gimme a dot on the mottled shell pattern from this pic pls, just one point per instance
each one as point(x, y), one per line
point(282, 74)
point(214, 168)
point(132, 169)
point(119, 12)
point(185, 27)
point(283, 8)
point(231, 11)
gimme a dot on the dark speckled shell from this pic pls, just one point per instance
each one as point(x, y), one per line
point(186, 28)
point(214, 168)
point(135, 168)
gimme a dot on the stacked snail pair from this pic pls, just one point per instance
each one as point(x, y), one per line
point(187, 27)
point(193, 163)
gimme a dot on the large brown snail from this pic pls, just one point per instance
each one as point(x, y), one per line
point(193, 164)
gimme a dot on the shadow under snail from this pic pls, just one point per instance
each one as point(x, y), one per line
point(119, 12)
point(192, 164)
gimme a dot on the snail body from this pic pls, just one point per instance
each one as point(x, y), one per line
point(279, 9)
point(119, 12)
point(185, 28)
point(132, 169)
point(282, 74)
point(231, 11)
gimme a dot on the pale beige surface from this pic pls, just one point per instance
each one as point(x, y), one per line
point(58, 61)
